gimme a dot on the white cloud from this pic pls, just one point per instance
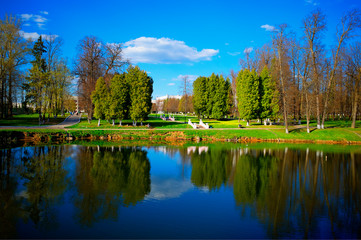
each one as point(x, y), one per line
point(248, 50)
point(37, 19)
point(268, 27)
point(169, 188)
point(233, 53)
point(44, 12)
point(171, 84)
point(164, 51)
point(180, 77)
point(33, 36)
point(312, 2)
point(26, 17)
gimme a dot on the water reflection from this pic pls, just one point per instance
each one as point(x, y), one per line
point(44, 181)
point(293, 192)
point(107, 179)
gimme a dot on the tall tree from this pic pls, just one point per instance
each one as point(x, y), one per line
point(314, 25)
point(13, 55)
point(248, 94)
point(270, 95)
point(120, 98)
point(352, 62)
point(221, 97)
point(100, 98)
point(211, 86)
point(200, 96)
point(141, 89)
point(349, 24)
point(280, 44)
point(88, 67)
point(186, 90)
point(37, 77)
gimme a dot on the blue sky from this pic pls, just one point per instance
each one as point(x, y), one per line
point(170, 39)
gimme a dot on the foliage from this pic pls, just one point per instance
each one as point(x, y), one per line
point(100, 99)
point(248, 94)
point(141, 89)
point(211, 96)
point(270, 95)
point(200, 96)
point(120, 97)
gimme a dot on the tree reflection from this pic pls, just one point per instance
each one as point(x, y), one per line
point(293, 191)
point(44, 183)
point(109, 178)
point(211, 169)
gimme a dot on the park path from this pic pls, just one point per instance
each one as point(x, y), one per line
point(69, 121)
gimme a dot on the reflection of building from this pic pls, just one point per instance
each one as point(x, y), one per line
point(200, 149)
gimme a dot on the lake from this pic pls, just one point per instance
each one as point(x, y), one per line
point(186, 191)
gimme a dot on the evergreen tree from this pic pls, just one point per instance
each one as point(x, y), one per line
point(211, 88)
point(248, 94)
point(37, 77)
point(200, 96)
point(220, 97)
point(120, 98)
point(270, 95)
point(141, 89)
point(100, 99)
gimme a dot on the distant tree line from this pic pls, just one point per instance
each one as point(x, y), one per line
point(45, 86)
point(174, 105)
point(294, 77)
point(313, 81)
point(128, 95)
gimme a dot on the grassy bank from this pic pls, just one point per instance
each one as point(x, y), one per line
point(330, 135)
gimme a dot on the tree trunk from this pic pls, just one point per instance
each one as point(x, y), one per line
point(120, 122)
point(10, 98)
point(99, 122)
point(307, 114)
point(354, 109)
point(113, 123)
point(318, 111)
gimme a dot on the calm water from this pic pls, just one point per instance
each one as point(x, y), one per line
point(231, 191)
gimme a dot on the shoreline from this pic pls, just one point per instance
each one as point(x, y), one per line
point(36, 135)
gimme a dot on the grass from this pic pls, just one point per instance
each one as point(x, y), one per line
point(29, 120)
point(221, 130)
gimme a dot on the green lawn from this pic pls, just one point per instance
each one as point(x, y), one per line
point(30, 120)
point(157, 123)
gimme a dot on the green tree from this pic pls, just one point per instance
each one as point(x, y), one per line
point(13, 52)
point(100, 99)
point(120, 98)
point(200, 96)
point(221, 97)
point(270, 96)
point(37, 77)
point(141, 89)
point(211, 88)
point(248, 94)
